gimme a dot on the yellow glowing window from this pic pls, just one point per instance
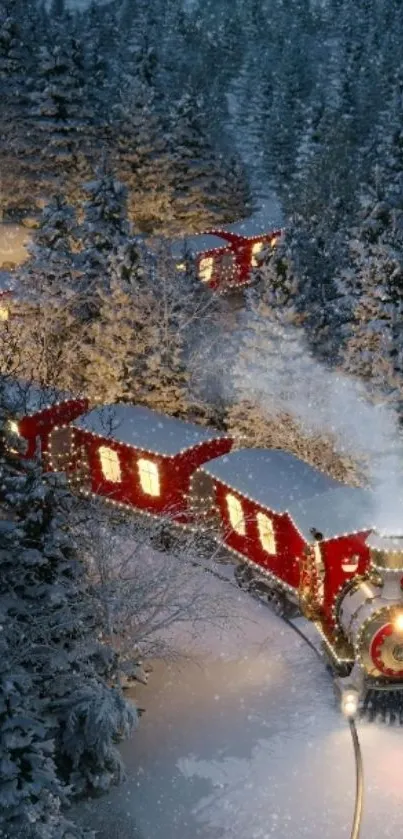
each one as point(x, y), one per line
point(4, 314)
point(266, 533)
point(256, 248)
point(110, 464)
point(206, 266)
point(235, 514)
point(273, 241)
point(149, 477)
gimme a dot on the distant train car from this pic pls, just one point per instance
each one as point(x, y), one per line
point(223, 260)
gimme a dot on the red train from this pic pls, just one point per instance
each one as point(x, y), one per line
point(299, 537)
point(224, 260)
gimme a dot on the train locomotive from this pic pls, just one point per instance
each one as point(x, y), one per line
point(301, 540)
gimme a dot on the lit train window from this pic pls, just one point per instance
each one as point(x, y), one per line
point(4, 313)
point(235, 513)
point(266, 533)
point(256, 248)
point(110, 464)
point(206, 267)
point(149, 477)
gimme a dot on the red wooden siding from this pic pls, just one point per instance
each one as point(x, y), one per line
point(289, 544)
point(174, 473)
point(42, 423)
point(241, 248)
point(335, 552)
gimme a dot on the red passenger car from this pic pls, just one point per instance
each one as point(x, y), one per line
point(135, 456)
point(293, 525)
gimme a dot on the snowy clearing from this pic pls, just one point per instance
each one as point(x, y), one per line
point(243, 740)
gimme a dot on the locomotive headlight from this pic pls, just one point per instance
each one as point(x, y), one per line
point(398, 623)
point(349, 702)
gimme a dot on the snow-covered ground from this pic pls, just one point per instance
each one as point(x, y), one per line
point(243, 740)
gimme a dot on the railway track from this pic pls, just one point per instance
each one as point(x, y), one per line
point(359, 768)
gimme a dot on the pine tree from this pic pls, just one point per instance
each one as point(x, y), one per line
point(19, 38)
point(117, 342)
point(62, 120)
point(43, 336)
point(104, 228)
point(58, 717)
point(372, 284)
point(207, 188)
point(142, 161)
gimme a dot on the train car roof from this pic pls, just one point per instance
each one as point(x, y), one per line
point(145, 429)
point(271, 477)
point(196, 244)
point(338, 511)
point(280, 481)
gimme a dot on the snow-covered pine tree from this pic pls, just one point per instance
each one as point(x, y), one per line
point(18, 59)
point(117, 342)
point(184, 331)
point(208, 188)
point(104, 229)
point(63, 124)
point(141, 158)
point(44, 335)
point(57, 660)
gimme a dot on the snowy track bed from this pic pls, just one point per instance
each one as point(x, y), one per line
point(242, 739)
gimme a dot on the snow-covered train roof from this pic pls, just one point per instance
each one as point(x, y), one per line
point(270, 477)
point(196, 244)
point(144, 429)
point(342, 509)
point(280, 481)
